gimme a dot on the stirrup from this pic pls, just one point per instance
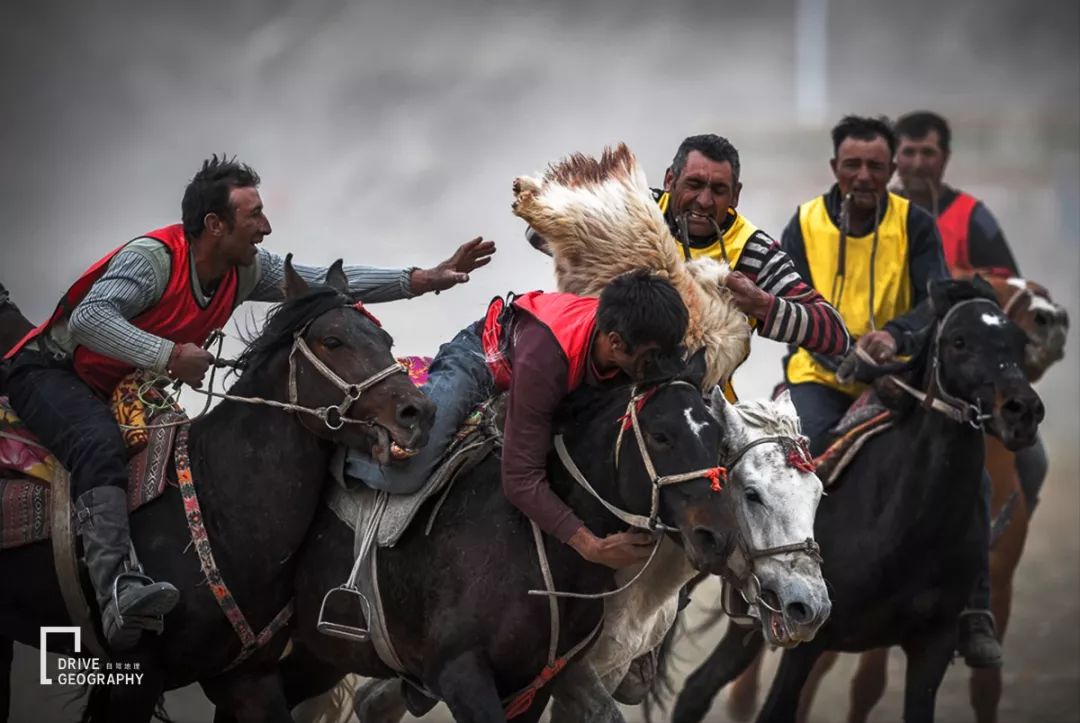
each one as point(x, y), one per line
point(343, 630)
point(150, 623)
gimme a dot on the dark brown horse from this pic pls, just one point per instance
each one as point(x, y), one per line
point(259, 472)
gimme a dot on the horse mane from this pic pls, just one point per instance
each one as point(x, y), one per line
point(766, 415)
point(283, 322)
point(600, 220)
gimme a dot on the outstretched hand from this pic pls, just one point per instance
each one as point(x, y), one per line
point(470, 256)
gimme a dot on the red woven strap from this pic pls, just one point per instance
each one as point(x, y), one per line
point(524, 700)
point(249, 641)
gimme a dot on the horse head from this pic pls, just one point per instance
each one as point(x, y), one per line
point(776, 566)
point(976, 357)
point(1029, 306)
point(338, 373)
point(664, 474)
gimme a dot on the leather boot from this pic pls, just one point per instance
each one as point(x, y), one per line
point(978, 641)
point(129, 601)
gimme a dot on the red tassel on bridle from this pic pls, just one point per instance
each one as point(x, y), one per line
point(716, 475)
point(359, 306)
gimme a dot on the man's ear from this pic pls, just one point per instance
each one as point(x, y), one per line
point(832, 165)
point(215, 225)
point(669, 180)
point(735, 193)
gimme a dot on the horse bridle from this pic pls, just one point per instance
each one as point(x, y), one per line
point(652, 522)
point(717, 475)
point(741, 561)
point(333, 416)
point(936, 397)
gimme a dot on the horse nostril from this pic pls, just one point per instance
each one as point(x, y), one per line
point(1042, 318)
point(709, 540)
point(408, 415)
point(799, 613)
point(1013, 407)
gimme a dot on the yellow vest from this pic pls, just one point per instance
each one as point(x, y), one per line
point(892, 293)
point(728, 247)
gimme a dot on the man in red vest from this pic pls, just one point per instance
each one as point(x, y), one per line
point(970, 234)
point(151, 304)
point(541, 347)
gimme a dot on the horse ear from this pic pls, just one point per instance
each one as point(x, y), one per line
point(336, 278)
point(946, 292)
point(294, 285)
point(723, 411)
point(695, 369)
point(785, 405)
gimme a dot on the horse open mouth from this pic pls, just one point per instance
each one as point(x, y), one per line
point(386, 449)
point(776, 628)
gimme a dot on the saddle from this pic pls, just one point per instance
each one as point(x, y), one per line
point(27, 469)
point(379, 520)
point(865, 419)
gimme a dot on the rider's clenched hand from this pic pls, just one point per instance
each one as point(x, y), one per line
point(616, 551)
point(188, 364)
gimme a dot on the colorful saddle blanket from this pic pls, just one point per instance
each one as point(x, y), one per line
point(27, 468)
point(865, 419)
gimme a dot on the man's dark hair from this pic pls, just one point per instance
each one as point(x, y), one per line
point(863, 129)
point(918, 124)
point(643, 308)
point(208, 192)
point(710, 145)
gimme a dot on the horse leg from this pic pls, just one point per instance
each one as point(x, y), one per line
point(580, 696)
point(806, 699)
point(304, 676)
point(743, 698)
point(782, 704)
point(868, 684)
point(7, 653)
point(928, 656)
point(467, 685)
point(380, 701)
point(985, 685)
point(737, 650)
point(248, 697)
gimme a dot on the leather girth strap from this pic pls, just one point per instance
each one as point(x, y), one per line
point(66, 560)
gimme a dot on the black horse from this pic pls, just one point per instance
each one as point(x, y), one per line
point(900, 532)
point(456, 599)
point(259, 472)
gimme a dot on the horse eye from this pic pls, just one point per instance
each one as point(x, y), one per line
point(331, 342)
point(958, 343)
point(752, 495)
point(660, 438)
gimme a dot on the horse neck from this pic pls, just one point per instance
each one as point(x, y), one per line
point(943, 460)
point(259, 475)
point(596, 463)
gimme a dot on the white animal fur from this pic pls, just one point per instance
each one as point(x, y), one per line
point(600, 220)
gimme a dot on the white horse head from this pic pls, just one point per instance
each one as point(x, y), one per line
point(776, 500)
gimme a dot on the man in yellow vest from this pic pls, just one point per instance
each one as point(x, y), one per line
point(701, 192)
point(835, 240)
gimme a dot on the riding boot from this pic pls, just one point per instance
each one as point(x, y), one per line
point(129, 601)
point(978, 641)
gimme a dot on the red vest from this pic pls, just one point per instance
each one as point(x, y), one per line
point(953, 223)
point(571, 320)
point(177, 316)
